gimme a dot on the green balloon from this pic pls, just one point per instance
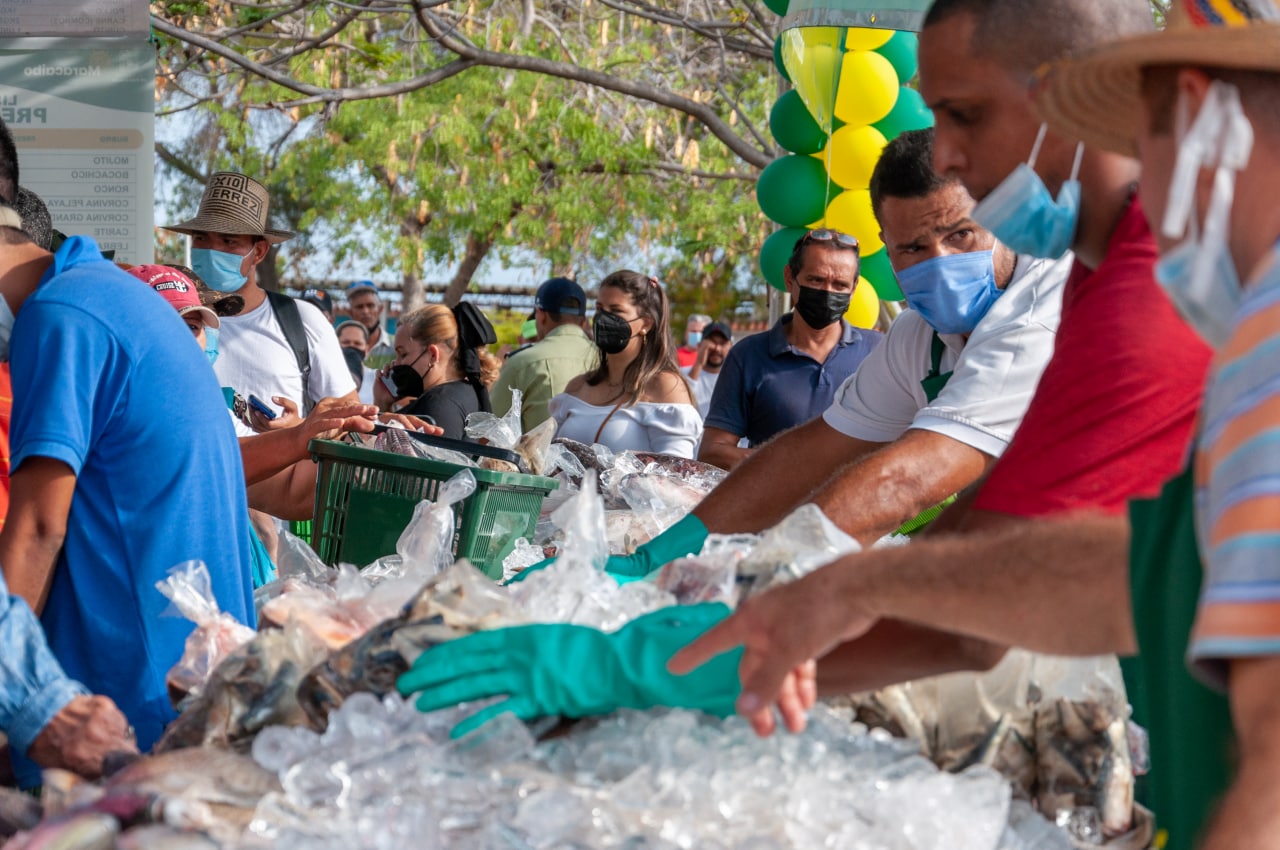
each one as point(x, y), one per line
point(776, 251)
point(901, 53)
point(777, 59)
point(793, 127)
point(876, 270)
point(909, 113)
point(778, 7)
point(793, 190)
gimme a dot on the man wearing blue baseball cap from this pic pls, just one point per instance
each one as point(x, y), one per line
point(562, 353)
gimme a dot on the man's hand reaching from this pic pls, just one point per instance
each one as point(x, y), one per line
point(783, 632)
point(81, 735)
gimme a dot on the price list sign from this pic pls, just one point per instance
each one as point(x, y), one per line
point(74, 17)
point(82, 119)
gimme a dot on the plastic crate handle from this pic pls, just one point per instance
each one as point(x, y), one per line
point(465, 447)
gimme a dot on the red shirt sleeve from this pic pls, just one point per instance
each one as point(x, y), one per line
point(1113, 413)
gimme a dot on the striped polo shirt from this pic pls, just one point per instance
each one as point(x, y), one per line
point(1238, 489)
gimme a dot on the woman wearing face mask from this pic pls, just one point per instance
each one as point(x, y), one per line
point(636, 399)
point(442, 365)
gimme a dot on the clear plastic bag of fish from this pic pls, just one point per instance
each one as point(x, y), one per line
point(190, 590)
point(502, 432)
point(804, 541)
point(523, 556)
point(255, 686)
point(454, 603)
point(627, 531)
point(1082, 746)
point(295, 557)
point(966, 719)
point(565, 465)
point(575, 589)
point(396, 439)
point(711, 578)
point(426, 544)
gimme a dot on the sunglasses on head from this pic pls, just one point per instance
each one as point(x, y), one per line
point(823, 234)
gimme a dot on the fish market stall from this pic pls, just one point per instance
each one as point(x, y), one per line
point(294, 736)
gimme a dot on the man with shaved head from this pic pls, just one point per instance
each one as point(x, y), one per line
point(1042, 560)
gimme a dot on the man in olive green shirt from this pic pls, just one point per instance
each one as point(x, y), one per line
point(563, 352)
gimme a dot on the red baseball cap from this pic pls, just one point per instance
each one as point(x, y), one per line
point(178, 289)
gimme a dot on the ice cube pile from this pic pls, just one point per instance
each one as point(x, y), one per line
point(385, 776)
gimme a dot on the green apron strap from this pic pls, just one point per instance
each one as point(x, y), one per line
point(934, 382)
point(1191, 740)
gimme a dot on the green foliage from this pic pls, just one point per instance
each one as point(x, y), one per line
point(515, 161)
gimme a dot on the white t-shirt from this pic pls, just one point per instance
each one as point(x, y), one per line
point(645, 426)
point(703, 386)
point(994, 373)
point(366, 385)
point(254, 357)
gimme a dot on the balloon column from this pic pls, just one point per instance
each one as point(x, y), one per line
point(850, 99)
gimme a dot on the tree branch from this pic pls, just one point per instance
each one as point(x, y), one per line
point(175, 162)
point(314, 94)
point(703, 113)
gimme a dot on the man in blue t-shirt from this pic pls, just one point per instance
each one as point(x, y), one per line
point(124, 464)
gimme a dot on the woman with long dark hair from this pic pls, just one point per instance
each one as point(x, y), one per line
point(636, 399)
point(442, 364)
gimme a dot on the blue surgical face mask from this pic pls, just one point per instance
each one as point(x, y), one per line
point(211, 345)
point(952, 292)
point(694, 338)
point(1199, 275)
point(1022, 215)
point(218, 269)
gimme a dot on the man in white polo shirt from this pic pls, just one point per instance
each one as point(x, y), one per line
point(932, 408)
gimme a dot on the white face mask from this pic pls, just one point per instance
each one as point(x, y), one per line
point(6, 328)
point(1199, 275)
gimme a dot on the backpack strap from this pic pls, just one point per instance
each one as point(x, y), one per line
point(286, 310)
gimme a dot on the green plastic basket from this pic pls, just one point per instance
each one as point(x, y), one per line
point(366, 497)
point(301, 528)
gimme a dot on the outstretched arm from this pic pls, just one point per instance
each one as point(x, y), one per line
point(770, 483)
point(894, 651)
point(879, 491)
point(1051, 586)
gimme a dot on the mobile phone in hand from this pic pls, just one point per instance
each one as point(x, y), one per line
point(262, 407)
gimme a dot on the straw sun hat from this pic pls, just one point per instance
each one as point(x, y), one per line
point(1095, 97)
point(233, 203)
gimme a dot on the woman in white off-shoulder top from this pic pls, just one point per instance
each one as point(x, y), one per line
point(636, 399)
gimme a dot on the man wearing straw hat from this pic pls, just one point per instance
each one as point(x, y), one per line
point(1200, 104)
point(258, 354)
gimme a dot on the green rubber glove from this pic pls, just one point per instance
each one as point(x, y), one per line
point(576, 671)
point(680, 540)
point(684, 538)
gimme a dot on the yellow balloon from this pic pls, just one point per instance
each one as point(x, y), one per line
point(868, 88)
point(850, 212)
point(866, 38)
point(812, 57)
point(854, 154)
point(864, 307)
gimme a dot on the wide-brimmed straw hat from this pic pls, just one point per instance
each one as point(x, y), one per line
point(1096, 96)
point(233, 203)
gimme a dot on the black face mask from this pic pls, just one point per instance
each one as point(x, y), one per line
point(612, 333)
point(820, 307)
point(406, 379)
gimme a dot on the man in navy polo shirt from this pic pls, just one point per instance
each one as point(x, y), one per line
point(777, 380)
